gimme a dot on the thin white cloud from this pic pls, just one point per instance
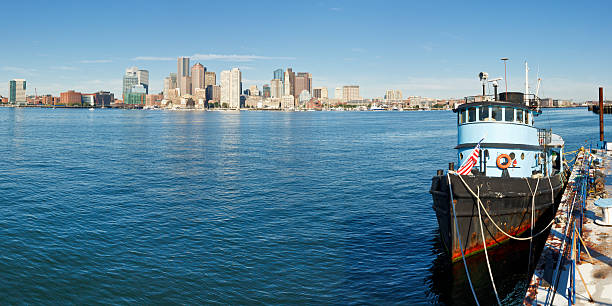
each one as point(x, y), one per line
point(358, 50)
point(336, 9)
point(96, 61)
point(152, 58)
point(20, 70)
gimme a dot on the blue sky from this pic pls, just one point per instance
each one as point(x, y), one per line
point(426, 48)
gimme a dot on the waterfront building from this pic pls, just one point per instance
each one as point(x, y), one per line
point(197, 77)
point(276, 88)
point(104, 98)
point(266, 91)
point(288, 102)
point(136, 96)
point(392, 95)
point(70, 98)
point(231, 85)
point(279, 75)
point(338, 93)
point(319, 92)
point(17, 91)
point(350, 93)
point(154, 100)
point(210, 78)
point(183, 74)
point(88, 100)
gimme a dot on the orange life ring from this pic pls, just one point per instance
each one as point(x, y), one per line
point(501, 165)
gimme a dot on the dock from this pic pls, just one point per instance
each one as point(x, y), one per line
point(575, 266)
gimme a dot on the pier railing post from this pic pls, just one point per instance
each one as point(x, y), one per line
point(601, 111)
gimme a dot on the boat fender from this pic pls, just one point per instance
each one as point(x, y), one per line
point(506, 161)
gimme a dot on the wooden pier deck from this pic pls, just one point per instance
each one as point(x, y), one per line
point(566, 273)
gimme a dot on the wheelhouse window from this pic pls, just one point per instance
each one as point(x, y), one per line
point(519, 115)
point(462, 116)
point(509, 114)
point(484, 113)
point(471, 114)
point(496, 113)
point(527, 117)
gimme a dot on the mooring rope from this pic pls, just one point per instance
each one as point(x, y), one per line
point(467, 272)
point(484, 246)
point(492, 221)
point(533, 194)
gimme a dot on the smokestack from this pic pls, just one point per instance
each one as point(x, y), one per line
point(601, 111)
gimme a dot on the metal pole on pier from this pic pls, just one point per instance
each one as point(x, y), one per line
point(601, 110)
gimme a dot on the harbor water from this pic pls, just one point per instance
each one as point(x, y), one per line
point(120, 206)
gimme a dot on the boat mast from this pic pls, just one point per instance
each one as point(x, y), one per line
point(526, 84)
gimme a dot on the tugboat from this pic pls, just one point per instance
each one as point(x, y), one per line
point(510, 178)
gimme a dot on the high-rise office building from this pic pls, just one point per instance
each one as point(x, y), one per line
point(307, 79)
point(338, 93)
point(279, 74)
point(129, 80)
point(350, 93)
point(197, 77)
point(231, 85)
point(210, 78)
point(266, 91)
point(17, 91)
point(276, 88)
point(143, 78)
point(303, 82)
point(182, 75)
point(169, 84)
point(319, 92)
point(289, 83)
point(393, 95)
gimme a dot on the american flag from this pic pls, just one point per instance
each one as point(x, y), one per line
point(466, 168)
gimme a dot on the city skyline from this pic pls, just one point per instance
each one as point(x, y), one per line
point(433, 50)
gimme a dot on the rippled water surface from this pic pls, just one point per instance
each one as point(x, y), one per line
point(117, 206)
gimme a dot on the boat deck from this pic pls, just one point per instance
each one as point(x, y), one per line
point(564, 265)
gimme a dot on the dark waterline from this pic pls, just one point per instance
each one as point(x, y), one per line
point(117, 206)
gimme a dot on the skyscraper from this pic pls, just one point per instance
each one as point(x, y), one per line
point(169, 84)
point(133, 76)
point(17, 91)
point(197, 77)
point(183, 80)
point(210, 78)
point(231, 83)
point(143, 78)
point(276, 88)
point(266, 91)
point(350, 93)
point(278, 74)
point(319, 92)
point(303, 81)
point(289, 83)
point(307, 80)
point(338, 93)
point(130, 79)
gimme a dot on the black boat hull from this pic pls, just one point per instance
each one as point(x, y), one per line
point(507, 200)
